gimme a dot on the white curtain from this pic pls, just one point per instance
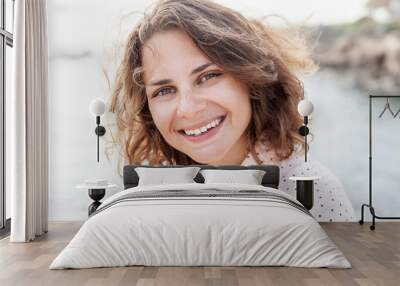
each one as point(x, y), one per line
point(26, 135)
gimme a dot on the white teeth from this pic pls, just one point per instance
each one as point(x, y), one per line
point(203, 129)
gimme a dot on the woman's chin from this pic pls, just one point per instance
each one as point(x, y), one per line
point(209, 158)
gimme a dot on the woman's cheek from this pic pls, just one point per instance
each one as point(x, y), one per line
point(237, 104)
point(162, 113)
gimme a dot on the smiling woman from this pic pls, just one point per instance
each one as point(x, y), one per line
point(199, 110)
point(201, 84)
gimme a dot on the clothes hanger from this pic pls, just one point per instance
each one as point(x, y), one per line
point(397, 113)
point(387, 106)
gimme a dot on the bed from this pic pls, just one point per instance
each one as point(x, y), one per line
point(201, 224)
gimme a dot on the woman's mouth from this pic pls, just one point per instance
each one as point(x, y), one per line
point(204, 132)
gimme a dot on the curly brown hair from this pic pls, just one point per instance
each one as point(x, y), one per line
point(264, 58)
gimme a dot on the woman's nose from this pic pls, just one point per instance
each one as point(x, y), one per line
point(189, 104)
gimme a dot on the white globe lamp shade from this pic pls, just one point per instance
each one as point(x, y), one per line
point(305, 107)
point(97, 107)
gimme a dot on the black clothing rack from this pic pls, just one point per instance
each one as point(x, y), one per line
point(370, 206)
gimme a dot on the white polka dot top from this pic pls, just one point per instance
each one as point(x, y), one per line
point(330, 201)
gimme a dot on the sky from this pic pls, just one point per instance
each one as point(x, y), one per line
point(311, 11)
point(295, 11)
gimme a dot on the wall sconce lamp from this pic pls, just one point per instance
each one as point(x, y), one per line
point(97, 108)
point(305, 108)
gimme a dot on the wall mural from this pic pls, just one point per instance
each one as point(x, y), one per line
point(206, 85)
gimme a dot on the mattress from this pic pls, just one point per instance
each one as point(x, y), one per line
point(201, 225)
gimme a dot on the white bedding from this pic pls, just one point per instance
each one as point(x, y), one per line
point(200, 231)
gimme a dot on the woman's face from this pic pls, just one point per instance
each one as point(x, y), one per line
point(198, 108)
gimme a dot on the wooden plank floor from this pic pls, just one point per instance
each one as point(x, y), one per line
point(375, 257)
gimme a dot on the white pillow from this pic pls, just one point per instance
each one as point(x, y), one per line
point(162, 176)
point(248, 177)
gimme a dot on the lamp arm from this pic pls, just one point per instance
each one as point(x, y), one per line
point(305, 147)
point(305, 137)
point(98, 136)
point(305, 108)
point(99, 131)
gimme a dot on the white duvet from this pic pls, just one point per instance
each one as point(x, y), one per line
point(200, 231)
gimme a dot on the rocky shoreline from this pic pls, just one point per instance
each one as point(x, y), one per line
point(368, 57)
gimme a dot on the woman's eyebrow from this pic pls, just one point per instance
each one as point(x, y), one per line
point(196, 70)
point(200, 68)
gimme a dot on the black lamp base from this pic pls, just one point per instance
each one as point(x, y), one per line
point(303, 130)
point(100, 130)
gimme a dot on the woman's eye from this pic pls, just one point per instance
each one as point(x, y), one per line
point(208, 76)
point(163, 91)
